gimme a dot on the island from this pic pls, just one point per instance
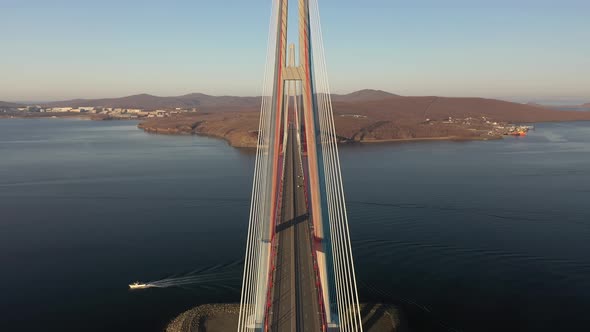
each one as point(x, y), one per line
point(371, 116)
point(366, 116)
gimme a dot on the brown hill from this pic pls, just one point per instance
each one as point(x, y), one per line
point(393, 118)
point(363, 95)
point(438, 108)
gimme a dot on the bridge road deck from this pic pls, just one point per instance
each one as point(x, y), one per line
point(295, 297)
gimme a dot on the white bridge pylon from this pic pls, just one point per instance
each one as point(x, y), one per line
point(304, 83)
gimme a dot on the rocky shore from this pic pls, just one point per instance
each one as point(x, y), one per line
point(224, 317)
point(239, 129)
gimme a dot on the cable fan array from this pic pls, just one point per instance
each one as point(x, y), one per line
point(344, 275)
point(342, 279)
point(258, 241)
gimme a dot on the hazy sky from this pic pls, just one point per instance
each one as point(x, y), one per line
point(528, 49)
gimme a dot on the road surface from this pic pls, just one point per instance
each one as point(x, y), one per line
point(295, 304)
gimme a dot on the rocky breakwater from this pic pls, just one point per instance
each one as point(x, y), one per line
point(224, 317)
point(208, 317)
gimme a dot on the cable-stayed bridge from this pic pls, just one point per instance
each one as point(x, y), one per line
point(299, 272)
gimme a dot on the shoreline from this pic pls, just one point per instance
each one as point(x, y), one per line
point(51, 116)
point(239, 143)
point(426, 139)
point(172, 132)
point(178, 132)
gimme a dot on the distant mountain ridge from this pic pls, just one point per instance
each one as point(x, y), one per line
point(583, 107)
point(8, 104)
point(206, 102)
point(363, 95)
point(200, 100)
point(203, 101)
point(146, 101)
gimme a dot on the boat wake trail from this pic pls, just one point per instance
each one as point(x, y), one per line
point(218, 276)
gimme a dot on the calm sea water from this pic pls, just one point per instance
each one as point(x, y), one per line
point(474, 236)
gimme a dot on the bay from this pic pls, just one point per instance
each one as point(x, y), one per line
point(472, 236)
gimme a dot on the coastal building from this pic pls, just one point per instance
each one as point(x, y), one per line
point(134, 110)
point(126, 116)
point(60, 109)
point(81, 110)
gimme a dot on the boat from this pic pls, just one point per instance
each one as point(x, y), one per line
point(519, 133)
point(137, 285)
